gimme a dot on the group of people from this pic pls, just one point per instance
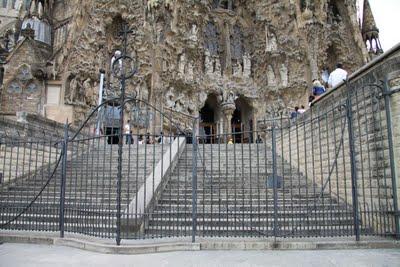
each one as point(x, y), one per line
point(332, 80)
point(147, 139)
point(297, 111)
point(337, 76)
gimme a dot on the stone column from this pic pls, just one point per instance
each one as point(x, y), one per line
point(313, 30)
point(228, 110)
point(228, 59)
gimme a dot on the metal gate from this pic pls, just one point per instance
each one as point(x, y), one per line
point(135, 171)
point(326, 173)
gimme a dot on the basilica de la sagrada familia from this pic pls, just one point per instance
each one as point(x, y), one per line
point(219, 59)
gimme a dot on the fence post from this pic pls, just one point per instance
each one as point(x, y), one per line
point(354, 192)
point(194, 181)
point(275, 183)
point(63, 178)
point(393, 171)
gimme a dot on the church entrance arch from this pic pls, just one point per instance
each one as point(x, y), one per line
point(209, 117)
point(242, 122)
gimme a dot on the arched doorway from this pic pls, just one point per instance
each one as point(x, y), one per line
point(209, 117)
point(242, 122)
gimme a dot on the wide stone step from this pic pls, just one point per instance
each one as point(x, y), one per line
point(248, 222)
point(33, 191)
point(221, 214)
point(240, 231)
point(95, 229)
point(254, 202)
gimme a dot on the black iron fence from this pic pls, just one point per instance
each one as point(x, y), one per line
point(327, 173)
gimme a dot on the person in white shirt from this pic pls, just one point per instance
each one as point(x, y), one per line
point(337, 76)
point(301, 110)
point(127, 129)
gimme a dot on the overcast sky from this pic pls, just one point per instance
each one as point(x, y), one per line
point(387, 17)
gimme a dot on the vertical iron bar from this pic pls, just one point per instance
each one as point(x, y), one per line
point(63, 178)
point(274, 173)
point(386, 92)
point(353, 165)
point(120, 146)
point(194, 181)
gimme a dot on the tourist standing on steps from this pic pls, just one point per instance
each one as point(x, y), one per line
point(294, 113)
point(318, 89)
point(128, 135)
point(140, 140)
point(337, 76)
point(301, 110)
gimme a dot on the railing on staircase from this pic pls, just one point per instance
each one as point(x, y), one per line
point(329, 173)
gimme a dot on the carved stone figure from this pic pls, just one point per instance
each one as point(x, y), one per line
point(193, 33)
point(271, 76)
point(236, 69)
point(73, 88)
point(90, 92)
point(196, 46)
point(182, 64)
point(169, 98)
point(246, 66)
point(189, 74)
point(271, 43)
point(284, 75)
point(208, 64)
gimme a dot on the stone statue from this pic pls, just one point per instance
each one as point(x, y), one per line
point(73, 87)
point(179, 103)
point(283, 71)
point(117, 54)
point(230, 97)
point(182, 64)
point(193, 33)
point(271, 42)
point(202, 97)
point(189, 75)
point(208, 65)
point(271, 76)
point(246, 66)
point(89, 92)
point(169, 98)
point(226, 97)
point(236, 69)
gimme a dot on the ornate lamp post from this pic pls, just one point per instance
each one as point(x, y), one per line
point(122, 69)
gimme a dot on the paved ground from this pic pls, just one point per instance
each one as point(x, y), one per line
point(41, 255)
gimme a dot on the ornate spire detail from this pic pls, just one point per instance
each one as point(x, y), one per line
point(370, 32)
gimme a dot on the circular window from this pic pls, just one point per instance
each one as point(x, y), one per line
point(14, 87)
point(31, 88)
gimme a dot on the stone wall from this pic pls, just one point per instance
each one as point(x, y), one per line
point(24, 87)
point(318, 143)
point(33, 127)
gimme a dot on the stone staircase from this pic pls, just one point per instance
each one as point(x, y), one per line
point(235, 198)
point(91, 190)
point(16, 159)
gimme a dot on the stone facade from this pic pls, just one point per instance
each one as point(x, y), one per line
point(264, 54)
